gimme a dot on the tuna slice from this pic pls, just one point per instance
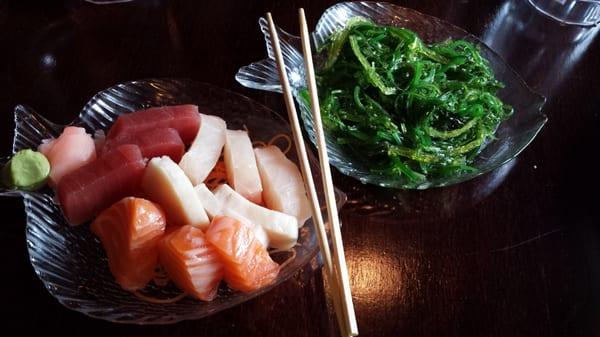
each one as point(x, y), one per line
point(71, 150)
point(130, 231)
point(246, 262)
point(97, 185)
point(240, 164)
point(152, 143)
point(192, 262)
point(183, 118)
point(281, 229)
point(283, 186)
point(205, 151)
point(165, 183)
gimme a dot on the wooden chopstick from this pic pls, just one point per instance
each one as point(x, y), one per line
point(336, 235)
point(330, 273)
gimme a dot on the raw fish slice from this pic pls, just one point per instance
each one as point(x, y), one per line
point(183, 118)
point(165, 183)
point(152, 143)
point(192, 262)
point(71, 150)
point(281, 229)
point(205, 151)
point(240, 164)
point(212, 206)
point(246, 262)
point(130, 231)
point(283, 186)
point(97, 185)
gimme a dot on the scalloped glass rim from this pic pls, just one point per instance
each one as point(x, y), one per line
point(513, 135)
point(70, 261)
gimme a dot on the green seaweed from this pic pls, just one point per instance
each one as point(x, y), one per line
point(406, 107)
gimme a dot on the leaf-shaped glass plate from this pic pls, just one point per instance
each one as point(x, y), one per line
point(513, 135)
point(70, 261)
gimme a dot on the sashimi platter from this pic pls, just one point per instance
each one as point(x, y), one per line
point(164, 200)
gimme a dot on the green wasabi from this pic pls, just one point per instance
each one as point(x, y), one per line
point(26, 170)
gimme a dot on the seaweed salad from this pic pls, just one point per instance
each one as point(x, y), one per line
point(405, 107)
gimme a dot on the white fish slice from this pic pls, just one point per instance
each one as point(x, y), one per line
point(214, 208)
point(281, 229)
point(240, 164)
point(165, 183)
point(283, 187)
point(205, 150)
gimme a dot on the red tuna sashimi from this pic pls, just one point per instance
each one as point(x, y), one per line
point(130, 231)
point(152, 143)
point(191, 262)
point(183, 118)
point(246, 262)
point(99, 184)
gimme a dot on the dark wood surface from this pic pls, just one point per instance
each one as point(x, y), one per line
point(513, 253)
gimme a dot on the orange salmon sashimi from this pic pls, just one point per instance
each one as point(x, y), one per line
point(192, 262)
point(247, 263)
point(130, 231)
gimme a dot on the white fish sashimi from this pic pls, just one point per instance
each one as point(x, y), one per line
point(214, 208)
point(240, 164)
point(205, 150)
point(281, 229)
point(165, 183)
point(283, 186)
point(212, 205)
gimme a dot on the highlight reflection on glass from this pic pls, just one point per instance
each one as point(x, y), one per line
point(560, 47)
point(571, 12)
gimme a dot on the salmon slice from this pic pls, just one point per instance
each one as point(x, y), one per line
point(98, 184)
point(283, 186)
point(152, 143)
point(192, 262)
point(130, 231)
point(246, 262)
point(165, 183)
point(71, 150)
point(183, 118)
point(205, 150)
point(240, 164)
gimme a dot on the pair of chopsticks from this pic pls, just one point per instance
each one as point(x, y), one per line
point(336, 270)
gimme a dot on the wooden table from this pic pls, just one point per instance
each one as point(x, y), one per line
point(513, 253)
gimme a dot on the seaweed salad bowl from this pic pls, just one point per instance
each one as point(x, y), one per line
point(512, 136)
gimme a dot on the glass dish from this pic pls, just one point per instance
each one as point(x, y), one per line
point(513, 135)
point(70, 261)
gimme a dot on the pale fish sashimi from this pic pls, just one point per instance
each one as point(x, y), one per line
point(240, 164)
point(165, 183)
point(212, 205)
point(283, 186)
point(205, 150)
point(71, 150)
point(214, 208)
point(281, 229)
